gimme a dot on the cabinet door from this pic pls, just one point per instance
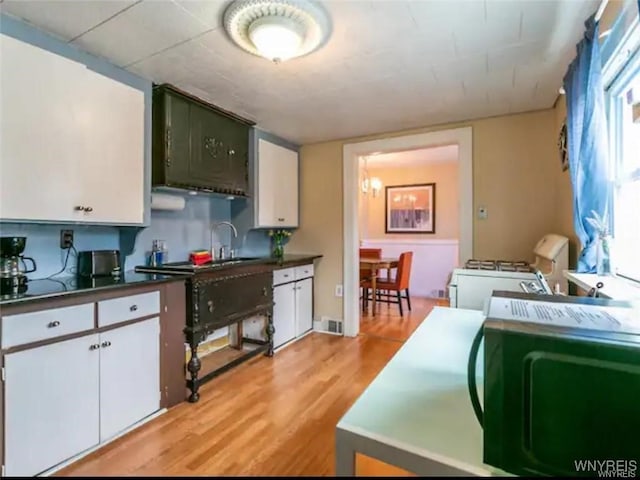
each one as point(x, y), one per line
point(210, 149)
point(112, 167)
point(51, 404)
point(129, 375)
point(304, 306)
point(287, 191)
point(38, 132)
point(239, 158)
point(177, 139)
point(277, 186)
point(267, 184)
point(284, 314)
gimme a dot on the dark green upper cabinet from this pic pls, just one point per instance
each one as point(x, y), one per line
point(197, 146)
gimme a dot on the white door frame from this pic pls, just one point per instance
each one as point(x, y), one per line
point(350, 153)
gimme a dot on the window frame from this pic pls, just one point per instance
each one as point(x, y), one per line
point(615, 89)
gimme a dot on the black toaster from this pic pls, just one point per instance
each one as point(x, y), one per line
point(99, 263)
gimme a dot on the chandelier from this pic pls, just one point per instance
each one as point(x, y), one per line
point(373, 184)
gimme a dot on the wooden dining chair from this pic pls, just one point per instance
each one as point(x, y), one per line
point(399, 284)
point(365, 273)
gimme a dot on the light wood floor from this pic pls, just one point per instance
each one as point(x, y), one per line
point(387, 322)
point(268, 416)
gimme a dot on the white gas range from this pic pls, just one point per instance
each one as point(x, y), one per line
point(470, 286)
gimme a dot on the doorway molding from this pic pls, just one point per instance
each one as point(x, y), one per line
point(463, 138)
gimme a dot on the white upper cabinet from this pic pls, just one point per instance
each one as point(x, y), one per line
point(72, 141)
point(277, 182)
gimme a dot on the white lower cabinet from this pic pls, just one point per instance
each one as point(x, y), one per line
point(129, 375)
point(284, 313)
point(293, 309)
point(304, 306)
point(66, 397)
point(51, 404)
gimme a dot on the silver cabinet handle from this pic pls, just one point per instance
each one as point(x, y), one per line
point(232, 152)
point(80, 208)
point(210, 306)
point(133, 308)
point(88, 209)
point(54, 324)
point(281, 219)
point(106, 344)
point(286, 276)
point(95, 346)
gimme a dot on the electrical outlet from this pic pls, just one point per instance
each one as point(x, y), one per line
point(338, 290)
point(66, 238)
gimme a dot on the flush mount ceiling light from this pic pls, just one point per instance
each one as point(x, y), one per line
point(277, 29)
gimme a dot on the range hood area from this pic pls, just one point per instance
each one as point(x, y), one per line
point(198, 147)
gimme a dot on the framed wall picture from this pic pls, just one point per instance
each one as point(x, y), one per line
point(410, 208)
point(562, 147)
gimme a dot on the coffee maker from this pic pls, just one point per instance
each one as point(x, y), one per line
point(13, 268)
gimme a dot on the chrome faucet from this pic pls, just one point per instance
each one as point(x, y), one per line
point(222, 254)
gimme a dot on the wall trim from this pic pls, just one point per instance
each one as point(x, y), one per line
point(402, 241)
point(463, 137)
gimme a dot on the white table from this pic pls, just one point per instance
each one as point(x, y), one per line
point(416, 414)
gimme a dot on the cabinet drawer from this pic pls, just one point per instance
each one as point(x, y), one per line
point(122, 309)
point(220, 301)
point(55, 322)
point(284, 275)
point(304, 271)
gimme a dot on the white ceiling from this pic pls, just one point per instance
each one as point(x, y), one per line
point(412, 158)
point(388, 65)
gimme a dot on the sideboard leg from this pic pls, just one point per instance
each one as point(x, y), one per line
point(270, 331)
point(194, 367)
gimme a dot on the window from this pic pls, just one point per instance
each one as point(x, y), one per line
point(624, 137)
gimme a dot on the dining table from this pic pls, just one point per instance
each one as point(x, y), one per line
point(373, 265)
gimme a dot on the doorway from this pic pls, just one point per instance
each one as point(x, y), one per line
point(352, 188)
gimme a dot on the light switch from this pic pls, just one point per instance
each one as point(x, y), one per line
point(482, 213)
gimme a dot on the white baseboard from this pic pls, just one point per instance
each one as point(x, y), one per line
point(292, 341)
point(68, 462)
point(329, 333)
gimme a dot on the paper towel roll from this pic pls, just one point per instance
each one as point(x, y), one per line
point(164, 201)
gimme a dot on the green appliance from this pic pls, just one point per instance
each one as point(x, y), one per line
point(561, 385)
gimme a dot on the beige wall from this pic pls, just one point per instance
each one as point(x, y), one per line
point(515, 165)
point(564, 206)
point(444, 175)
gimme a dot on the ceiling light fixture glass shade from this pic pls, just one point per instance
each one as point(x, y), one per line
point(277, 29)
point(276, 38)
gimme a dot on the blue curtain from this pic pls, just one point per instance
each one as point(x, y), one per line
point(587, 143)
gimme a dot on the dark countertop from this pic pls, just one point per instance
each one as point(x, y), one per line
point(295, 259)
point(67, 286)
point(289, 260)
